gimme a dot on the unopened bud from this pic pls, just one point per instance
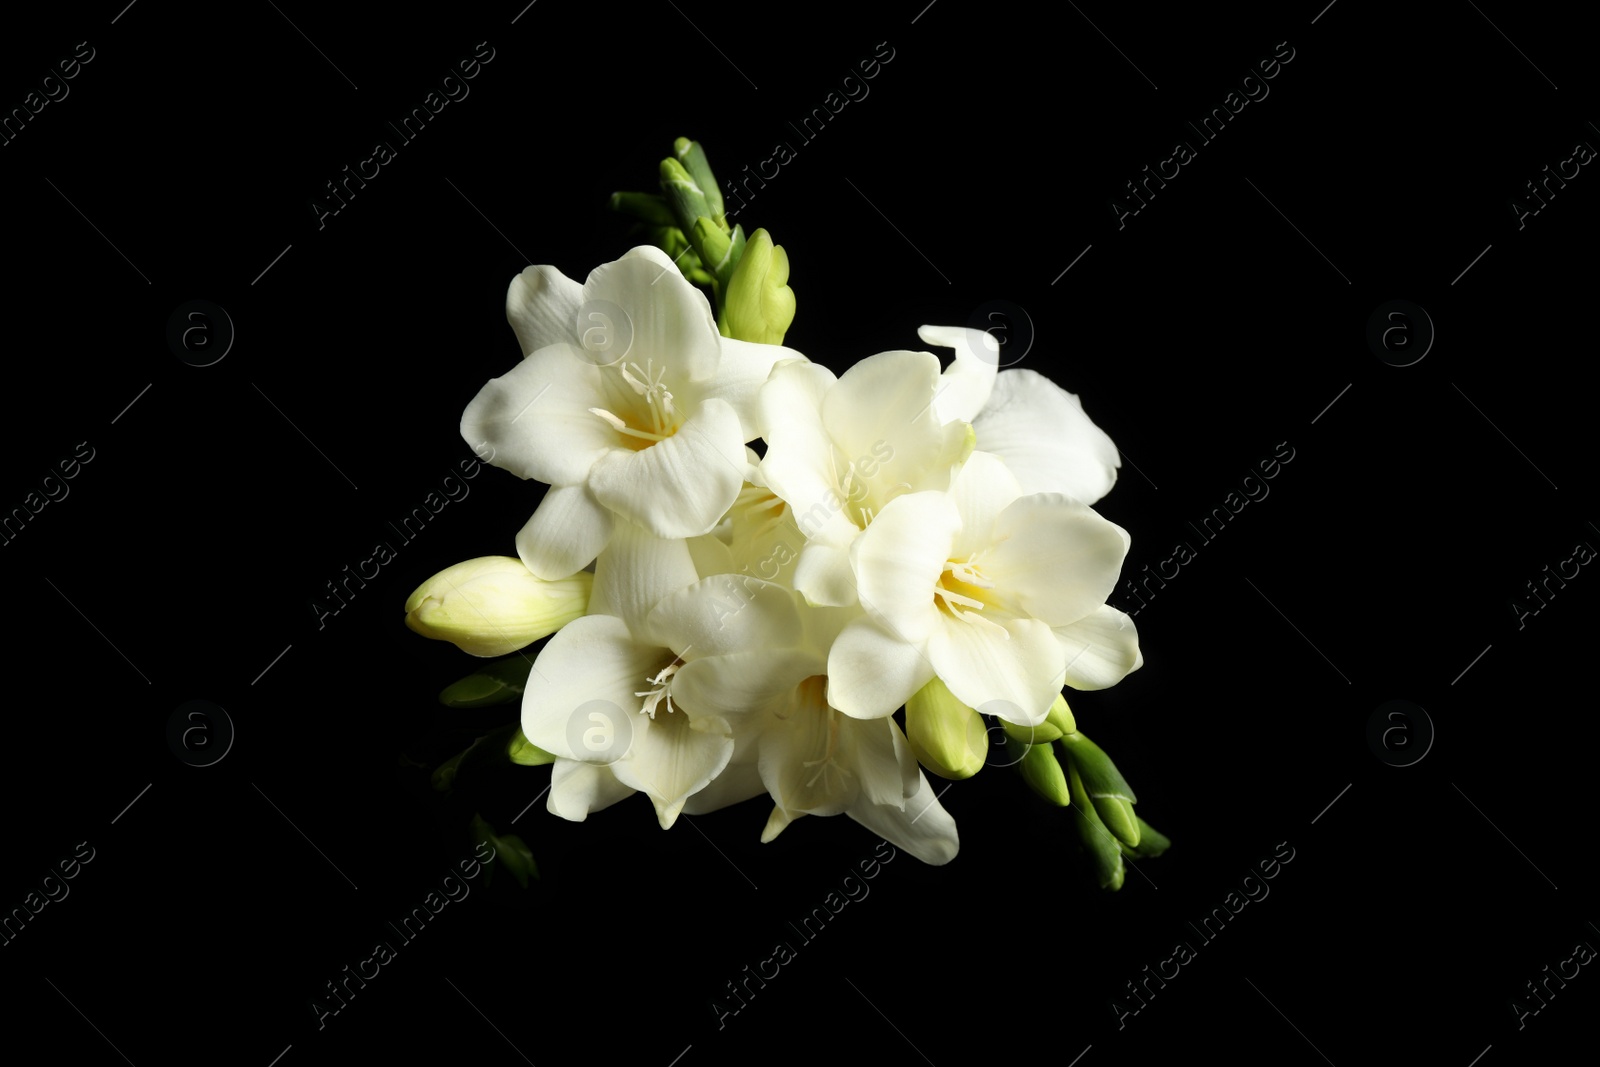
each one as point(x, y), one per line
point(494, 605)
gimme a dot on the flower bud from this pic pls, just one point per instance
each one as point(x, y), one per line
point(1042, 771)
point(1061, 717)
point(1110, 793)
point(687, 200)
point(1104, 850)
point(946, 736)
point(494, 605)
point(509, 851)
point(526, 753)
point(758, 304)
point(693, 157)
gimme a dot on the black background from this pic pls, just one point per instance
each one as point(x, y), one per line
point(1205, 331)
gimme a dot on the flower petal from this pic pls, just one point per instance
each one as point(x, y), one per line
point(591, 660)
point(542, 307)
point(898, 559)
point(1102, 649)
point(568, 530)
point(636, 572)
point(1044, 436)
point(1012, 674)
point(966, 384)
point(669, 319)
point(744, 368)
point(682, 486)
point(673, 757)
point(757, 682)
point(737, 783)
point(872, 671)
point(578, 788)
point(725, 613)
point(981, 491)
point(1056, 559)
point(923, 828)
point(536, 418)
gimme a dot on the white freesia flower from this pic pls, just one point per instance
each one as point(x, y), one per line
point(840, 449)
point(995, 592)
point(647, 690)
point(653, 434)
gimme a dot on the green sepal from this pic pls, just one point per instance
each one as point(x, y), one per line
point(1100, 775)
point(687, 201)
point(693, 158)
point(510, 851)
point(1152, 842)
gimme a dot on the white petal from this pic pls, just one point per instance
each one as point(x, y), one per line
point(898, 559)
point(966, 384)
point(872, 671)
point(568, 530)
point(536, 418)
point(1011, 674)
point(743, 370)
point(801, 763)
point(725, 613)
point(800, 466)
point(542, 307)
point(592, 665)
point(923, 828)
point(739, 684)
point(1102, 649)
point(823, 575)
point(881, 758)
point(669, 319)
point(1044, 436)
point(673, 757)
point(737, 783)
point(1056, 559)
point(577, 788)
point(981, 491)
point(682, 486)
point(880, 416)
point(636, 572)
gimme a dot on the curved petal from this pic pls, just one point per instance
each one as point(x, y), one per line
point(723, 614)
point(1011, 674)
point(898, 559)
point(923, 828)
point(1102, 649)
point(536, 418)
point(669, 320)
point(1044, 436)
point(801, 765)
point(881, 758)
point(981, 491)
point(872, 671)
point(592, 666)
point(742, 371)
point(636, 572)
point(568, 530)
point(542, 307)
point(1056, 559)
point(966, 384)
point(673, 757)
point(823, 575)
point(577, 788)
point(737, 783)
point(744, 683)
point(681, 486)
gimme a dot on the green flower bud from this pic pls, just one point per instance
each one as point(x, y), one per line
point(687, 200)
point(493, 605)
point(1042, 771)
point(693, 157)
point(945, 735)
point(499, 682)
point(714, 246)
point(1104, 850)
point(1110, 793)
point(649, 208)
point(1152, 842)
point(758, 304)
point(509, 852)
point(1061, 716)
point(526, 753)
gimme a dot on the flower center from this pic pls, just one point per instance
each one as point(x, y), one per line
point(662, 691)
point(962, 592)
point(651, 413)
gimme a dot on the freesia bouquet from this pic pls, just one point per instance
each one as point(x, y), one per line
point(728, 622)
